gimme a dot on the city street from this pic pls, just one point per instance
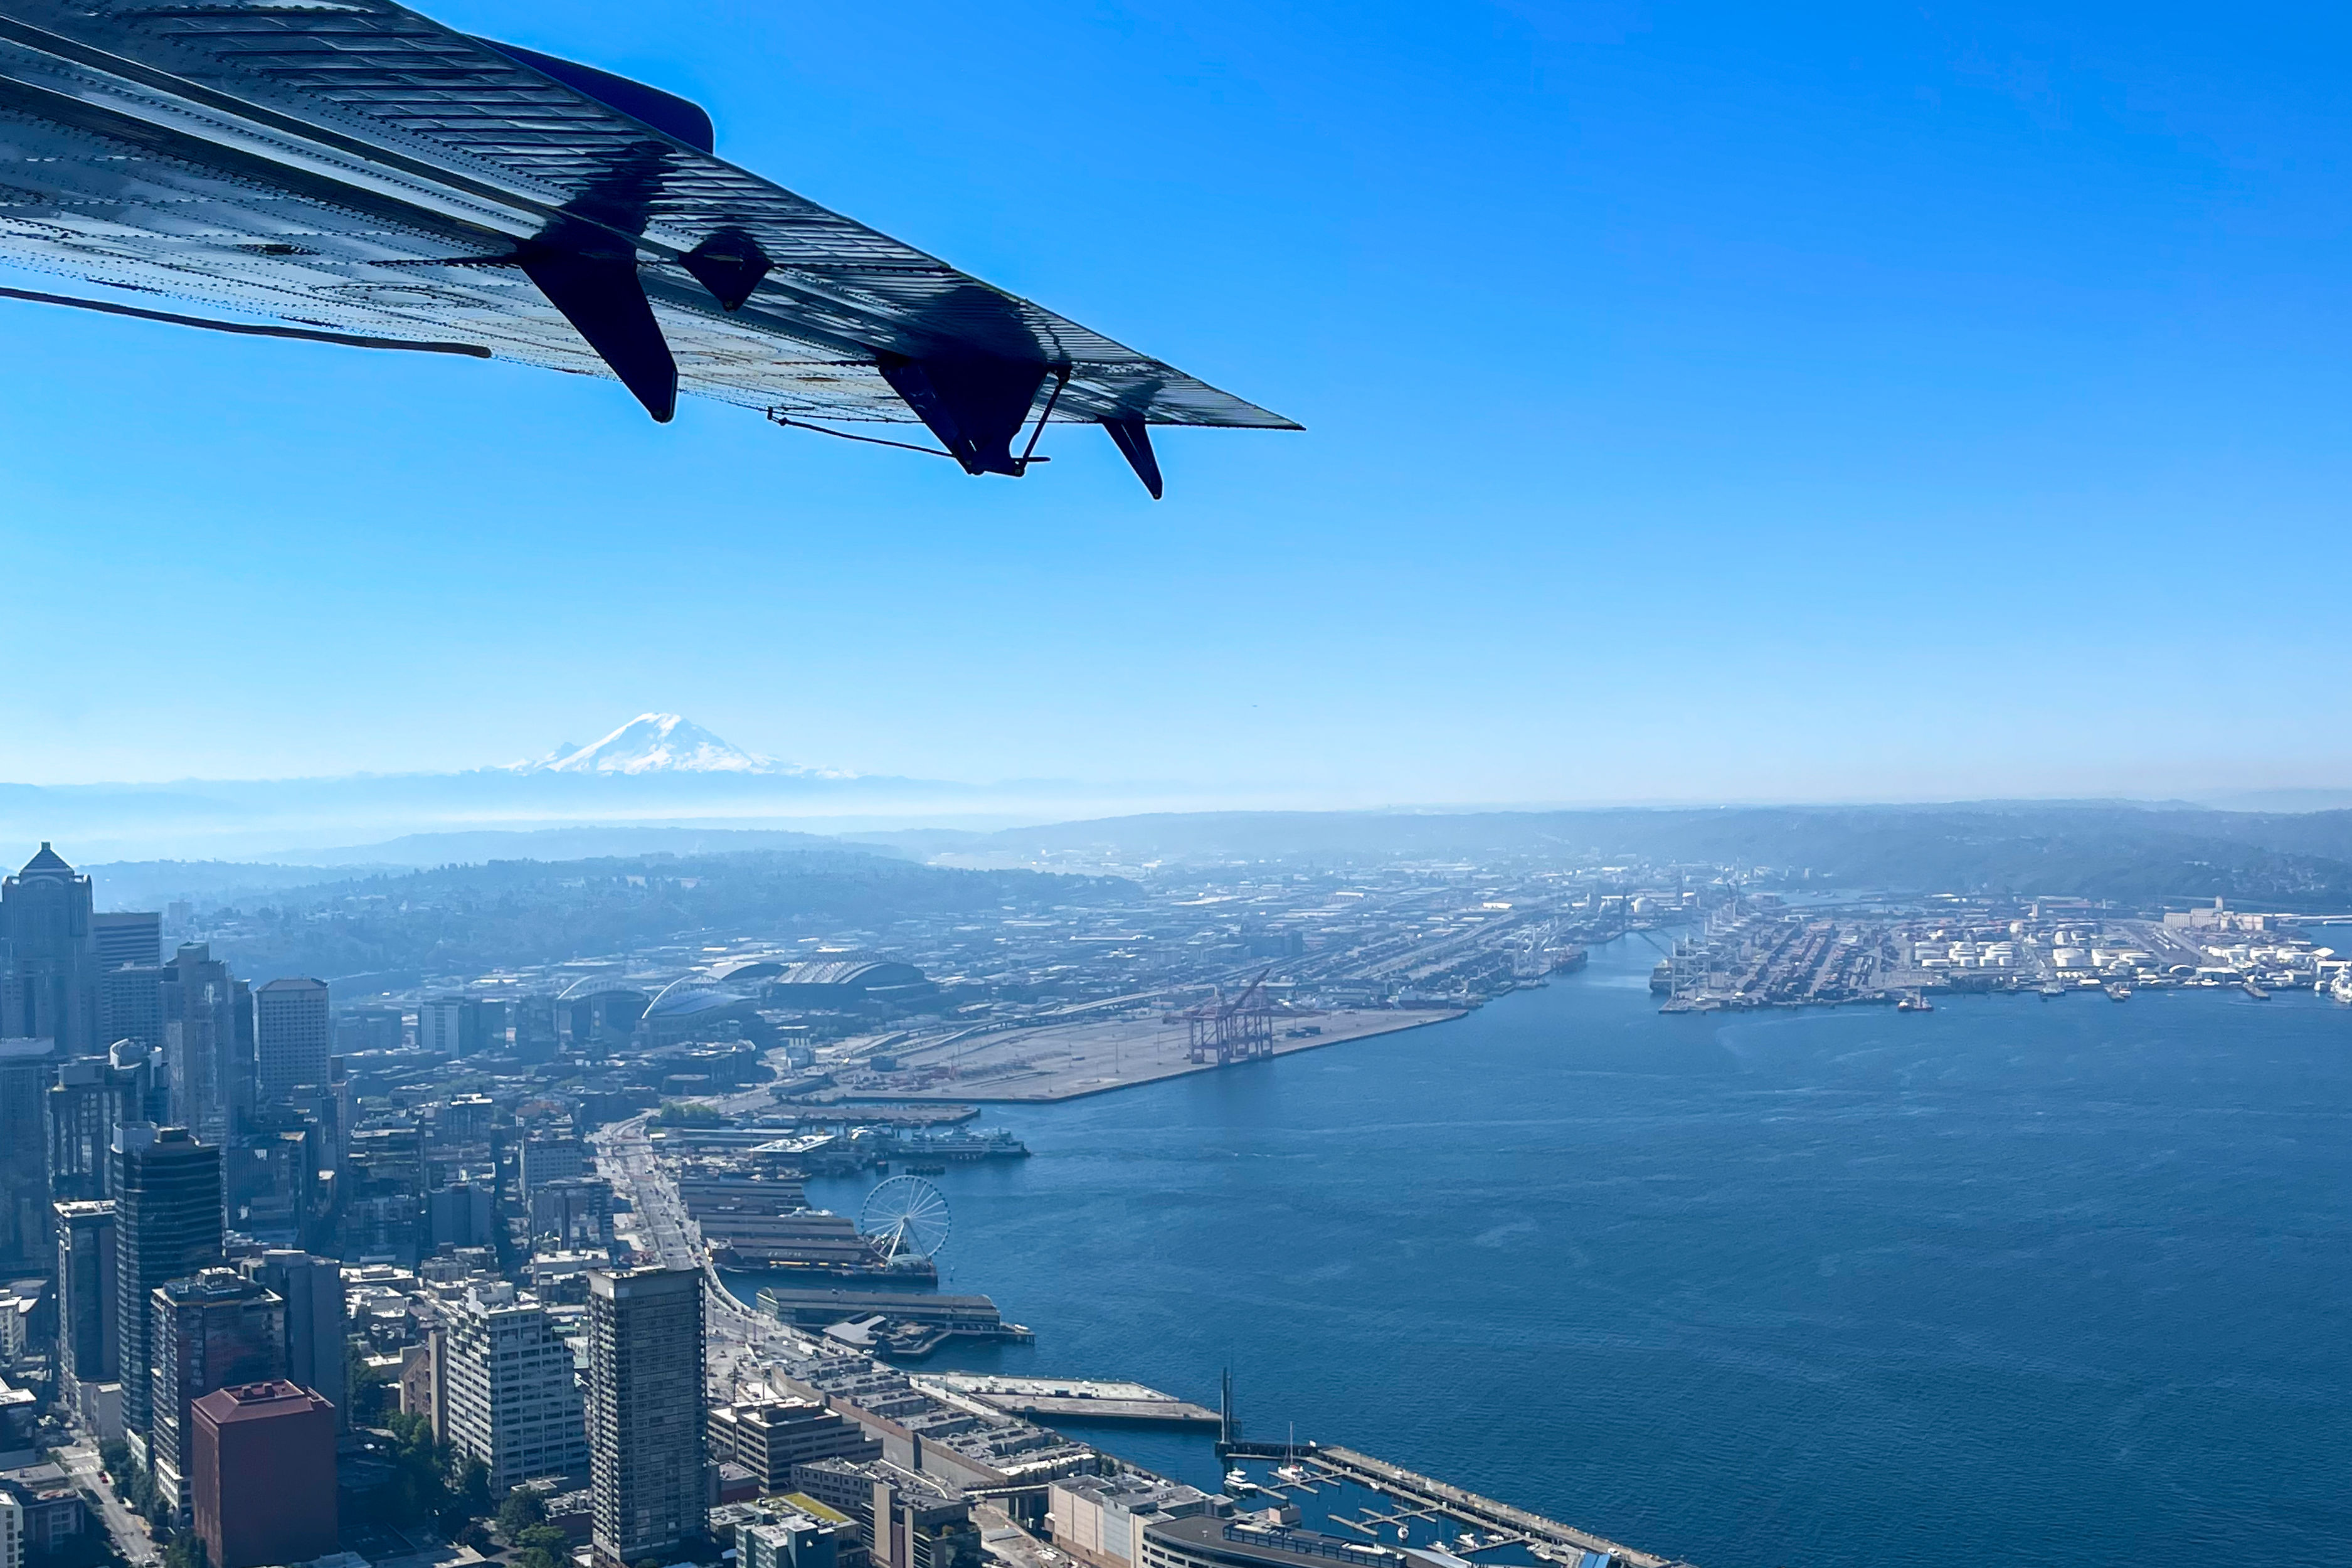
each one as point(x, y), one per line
point(130, 1532)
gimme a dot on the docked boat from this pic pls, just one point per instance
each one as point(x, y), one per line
point(2118, 992)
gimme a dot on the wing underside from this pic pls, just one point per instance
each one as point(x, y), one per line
point(358, 167)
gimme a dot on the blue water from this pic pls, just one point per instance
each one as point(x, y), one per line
point(2017, 1280)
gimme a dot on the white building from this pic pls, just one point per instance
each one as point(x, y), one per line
point(513, 1399)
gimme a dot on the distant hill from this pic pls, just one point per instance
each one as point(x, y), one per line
point(2131, 853)
point(466, 920)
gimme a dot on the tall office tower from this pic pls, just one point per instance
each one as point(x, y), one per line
point(462, 1213)
point(291, 1036)
point(321, 1109)
point(88, 1319)
point(208, 1043)
point(273, 1179)
point(644, 1411)
point(262, 1466)
point(533, 1026)
point(131, 1004)
point(128, 938)
point(381, 1194)
point(49, 986)
point(140, 1067)
point(90, 1099)
point(438, 1021)
point(213, 1329)
point(512, 1399)
point(312, 1289)
point(26, 1068)
point(167, 1225)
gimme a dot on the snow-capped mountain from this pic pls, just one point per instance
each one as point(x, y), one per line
point(656, 743)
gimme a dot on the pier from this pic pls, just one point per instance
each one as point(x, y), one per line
point(1072, 1399)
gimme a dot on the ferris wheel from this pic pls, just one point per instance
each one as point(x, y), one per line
point(905, 1217)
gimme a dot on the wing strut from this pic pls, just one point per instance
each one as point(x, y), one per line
point(604, 301)
point(1133, 439)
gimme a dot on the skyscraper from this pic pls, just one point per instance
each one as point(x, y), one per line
point(89, 1317)
point(292, 1034)
point(90, 1099)
point(512, 1399)
point(646, 1411)
point(312, 1289)
point(207, 1043)
point(130, 1005)
point(128, 938)
point(167, 1225)
point(25, 1069)
point(48, 985)
point(213, 1329)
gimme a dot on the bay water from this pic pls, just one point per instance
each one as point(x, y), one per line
point(2024, 1280)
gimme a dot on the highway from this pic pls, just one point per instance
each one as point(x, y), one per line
point(741, 1341)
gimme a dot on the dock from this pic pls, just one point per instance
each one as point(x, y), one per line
point(1423, 1497)
point(1073, 1399)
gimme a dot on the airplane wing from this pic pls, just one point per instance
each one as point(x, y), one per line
point(353, 167)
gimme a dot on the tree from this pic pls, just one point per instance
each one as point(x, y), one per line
point(544, 1538)
point(468, 1487)
point(536, 1557)
point(521, 1509)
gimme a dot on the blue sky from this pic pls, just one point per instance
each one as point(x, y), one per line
point(1704, 403)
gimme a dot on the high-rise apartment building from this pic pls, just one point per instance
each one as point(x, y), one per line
point(312, 1289)
point(510, 1397)
point(212, 1331)
point(293, 1035)
point(644, 1411)
point(167, 1225)
point(262, 1469)
point(207, 1043)
point(48, 982)
point(128, 938)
